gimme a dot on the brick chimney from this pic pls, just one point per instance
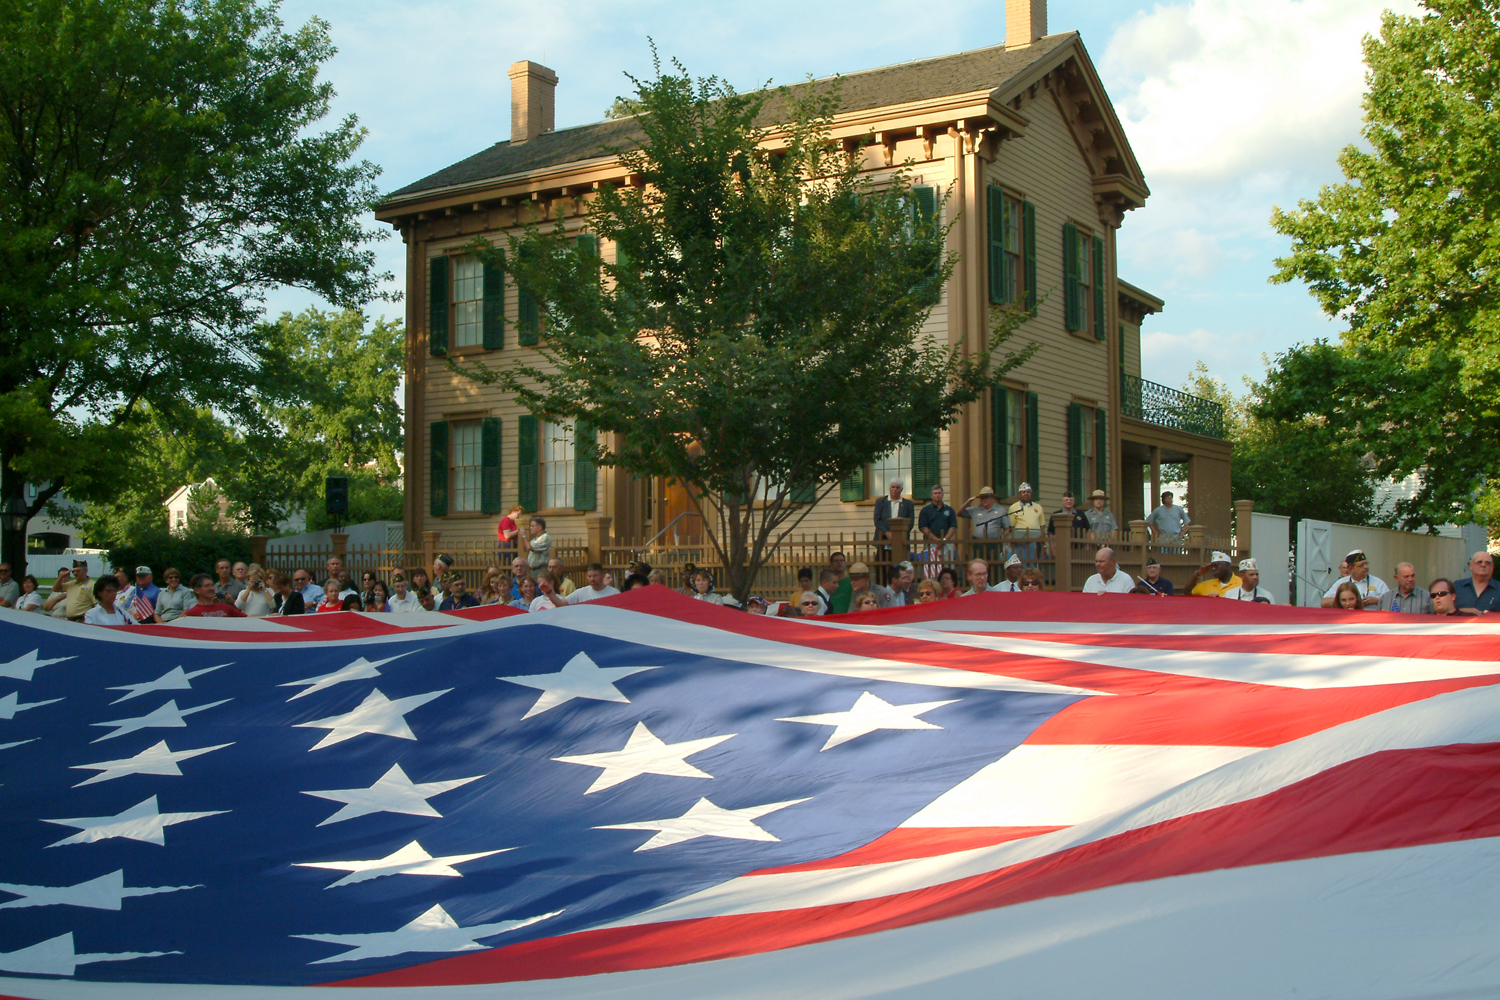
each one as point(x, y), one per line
point(533, 100)
point(1025, 22)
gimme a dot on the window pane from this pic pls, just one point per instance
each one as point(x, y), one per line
point(1086, 281)
point(1086, 449)
point(557, 465)
point(1013, 247)
point(1014, 441)
point(468, 302)
point(463, 461)
point(896, 465)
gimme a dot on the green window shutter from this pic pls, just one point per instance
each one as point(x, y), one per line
point(996, 206)
point(437, 305)
point(526, 460)
point(439, 469)
point(1075, 450)
point(924, 465)
point(494, 305)
point(1028, 212)
point(805, 494)
point(584, 481)
point(1100, 332)
point(853, 486)
point(489, 466)
point(1033, 443)
point(1072, 308)
point(528, 314)
point(588, 245)
point(999, 403)
point(1101, 449)
point(924, 201)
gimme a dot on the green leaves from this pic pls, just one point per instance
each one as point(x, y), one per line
point(1407, 251)
point(760, 321)
point(162, 169)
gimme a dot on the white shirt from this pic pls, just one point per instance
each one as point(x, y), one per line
point(1239, 594)
point(1005, 586)
point(1120, 583)
point(583, 594)
point(542, 603)
point(402, 605)
point(29, 601)
point(1370, 586)
point(98, 616)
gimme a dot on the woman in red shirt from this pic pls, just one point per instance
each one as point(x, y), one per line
point(331, 600)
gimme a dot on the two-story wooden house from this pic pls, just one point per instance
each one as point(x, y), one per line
point(1021, 138)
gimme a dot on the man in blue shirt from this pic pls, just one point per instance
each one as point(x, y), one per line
point(939, 526)
point(1478, 595)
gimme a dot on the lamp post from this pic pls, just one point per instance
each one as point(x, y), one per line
point(14, 521)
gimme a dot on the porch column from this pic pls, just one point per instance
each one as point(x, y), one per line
point(1155, 478)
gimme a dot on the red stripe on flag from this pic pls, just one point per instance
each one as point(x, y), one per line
point(1393, 799)
point(1222, 713)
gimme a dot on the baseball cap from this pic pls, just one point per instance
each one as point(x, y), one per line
point(143, 571)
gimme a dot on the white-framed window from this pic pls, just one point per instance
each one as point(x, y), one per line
point(468, 302)
point(895, 465)
point(1086, 282)
point(557, 465)
point(463, 465)
point(1088, 453)
point(1015, 442)
point(1013, 256)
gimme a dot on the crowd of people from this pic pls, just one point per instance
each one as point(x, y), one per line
point(1008, 535)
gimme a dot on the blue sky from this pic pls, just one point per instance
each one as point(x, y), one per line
point(1232, 106)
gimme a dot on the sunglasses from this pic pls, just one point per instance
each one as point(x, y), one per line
point(1442, 593)
point(1031, 585)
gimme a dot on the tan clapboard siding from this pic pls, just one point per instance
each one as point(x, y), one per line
point(1046, 168)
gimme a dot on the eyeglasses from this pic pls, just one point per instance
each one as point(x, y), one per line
point(1442, 593)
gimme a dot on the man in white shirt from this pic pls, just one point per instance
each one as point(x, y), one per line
point(1109, 579)
point(403, 601)
point(1249, 588)
point(596, 588)
point(1013, 569)
point(1371, 588)
point(979, 578)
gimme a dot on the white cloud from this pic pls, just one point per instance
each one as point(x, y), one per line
point(1213, 90)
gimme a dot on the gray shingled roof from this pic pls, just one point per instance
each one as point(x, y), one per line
point(961, 73)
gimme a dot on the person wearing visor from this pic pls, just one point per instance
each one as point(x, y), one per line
point(1371, 588)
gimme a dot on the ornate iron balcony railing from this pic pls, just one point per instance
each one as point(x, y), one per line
point(1168, 407)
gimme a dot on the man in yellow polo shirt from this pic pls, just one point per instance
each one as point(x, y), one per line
point(1027, 519)
point(80, 592)
point(1215, 578)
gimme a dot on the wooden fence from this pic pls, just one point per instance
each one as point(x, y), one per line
point(1065, 559)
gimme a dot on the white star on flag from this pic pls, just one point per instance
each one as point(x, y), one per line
point(642, 754)
point(103, 893)
point(158, 759)
point(56, 957)
point(580, 677)
point(433, 931)
point(412, 859)
point(360, 669)
point(18, 743)
point(22, 667)
point(142, 821)
point(871, 712)
point(704, 819)
point(169, 716)
point(394, 792)
point(173, 680)
point(376, 714)
point(11, 704)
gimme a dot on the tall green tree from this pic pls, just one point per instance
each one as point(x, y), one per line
point(1407, 251)
point(161, 167)
point(758, 335)
point(333, 411)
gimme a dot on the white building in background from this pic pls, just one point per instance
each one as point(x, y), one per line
point(180, 512)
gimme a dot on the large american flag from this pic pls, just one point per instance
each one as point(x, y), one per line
point(1011, 795)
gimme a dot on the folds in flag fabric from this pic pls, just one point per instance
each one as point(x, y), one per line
point(650, 797)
